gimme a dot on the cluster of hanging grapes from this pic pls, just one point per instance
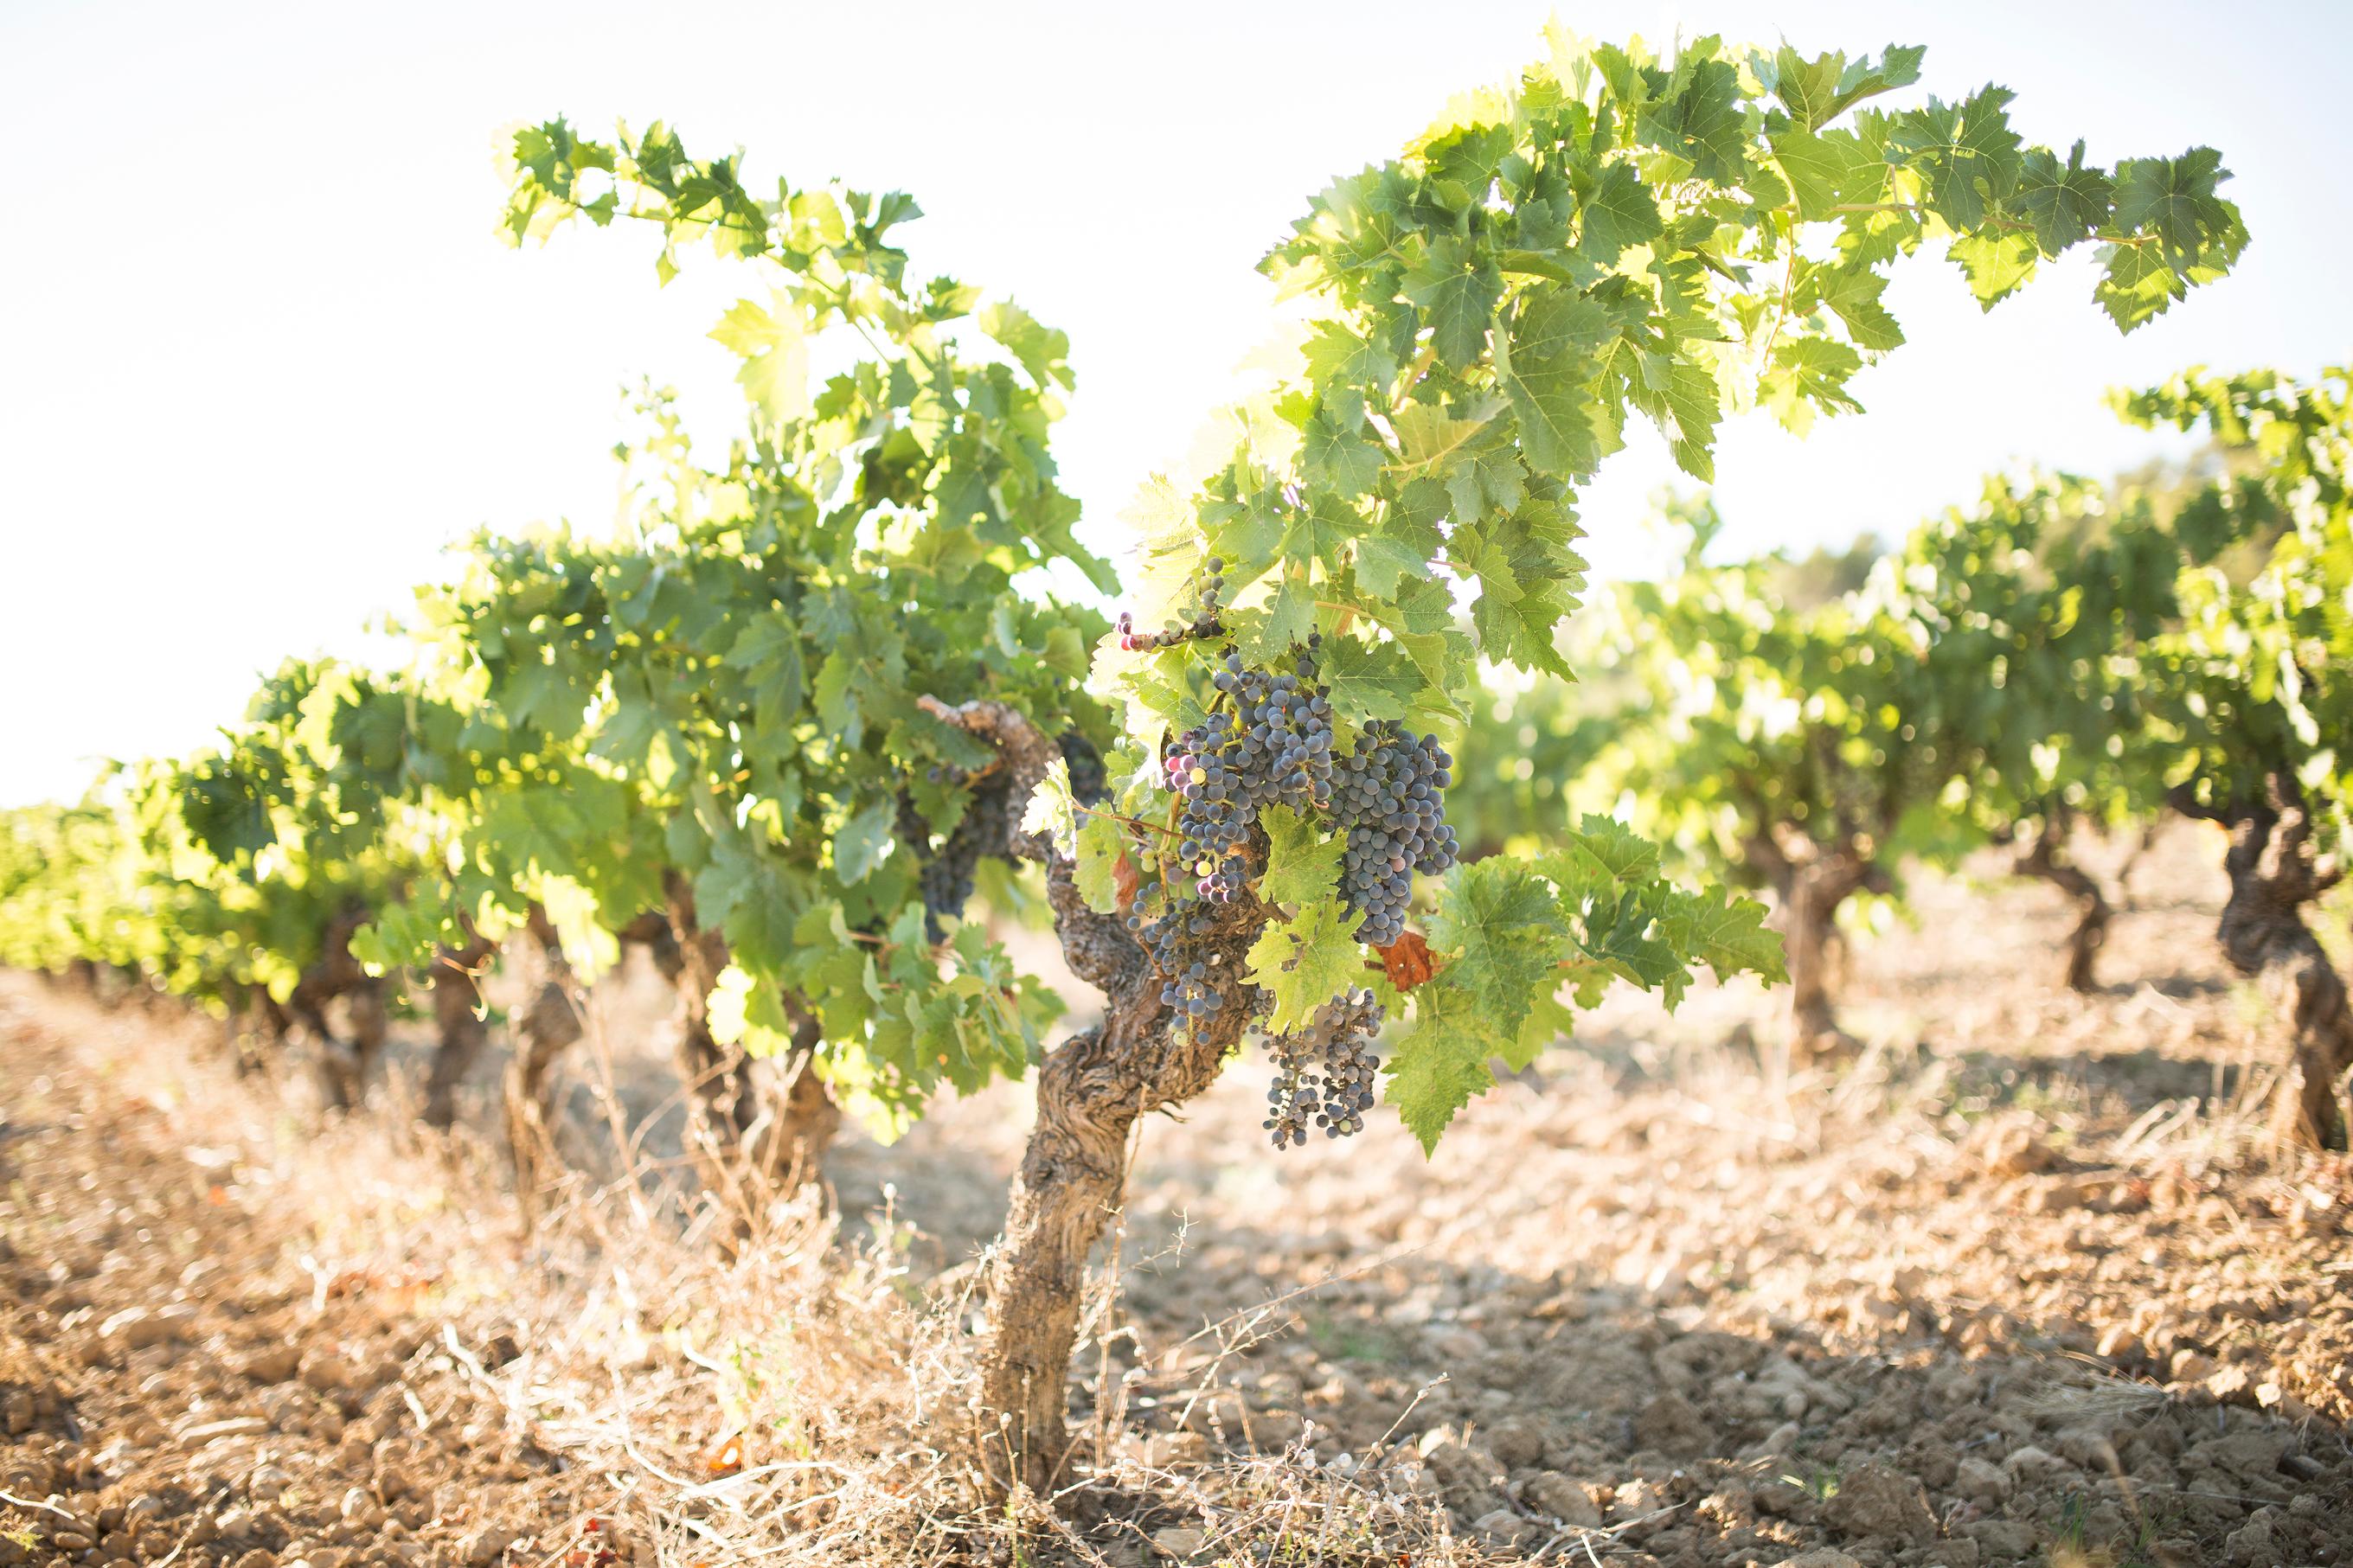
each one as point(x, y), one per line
point(1391, 801)
point(985, 827)
point(1267, 741)
point(1272, 747)
point(1170, 926)
point(1324, 1073)
point(946, 871)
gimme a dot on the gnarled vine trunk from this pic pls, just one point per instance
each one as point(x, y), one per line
point(457, 1020)
point(255, 1028)
point(1091, 1091)
point(2274, 873)
point(2046, 860)
point(343, 1062)
point(744, 1149)
point(1809, 882)
point(543, 1030)
point(787, 1146)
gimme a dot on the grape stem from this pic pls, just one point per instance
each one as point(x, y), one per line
point(1131, 821)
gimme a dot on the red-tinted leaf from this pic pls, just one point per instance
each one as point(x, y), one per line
point(1406, 961)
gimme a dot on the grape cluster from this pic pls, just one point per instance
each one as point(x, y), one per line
point(1389, 797)
point(1323, 1072)
point(986, 828)
point(1273, 747)
point(1170, 936)
point(1268, 740)
point(1210, 588)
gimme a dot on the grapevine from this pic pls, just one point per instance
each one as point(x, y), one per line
point(731, 710)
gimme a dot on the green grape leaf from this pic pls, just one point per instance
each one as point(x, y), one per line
point(1439, 1061)
point(1052, 810)
point(1502, 933)
point(1601, 857)
point(1287, 618)
point(1305, 961)
point(1687, 406)
point(1549, 1020)
point(1366, 681)
point(1552, 347)
point(1321, 531)
point(1433, 440)
point(1854, 293)
point(1338, 357)
point(2137, 286)
point(1806, 375)
point(1302, 865)
point(1457, 293)
point(743, 894)
point(836, 708)
point(862, 843)
point(1101, 843)
point(1997, 264)
point(774, 351)
point(1726, 933)
point(1622, 935)
point(1044, 352)
point(1618, 214)
point(2065, 203)
point(1345, 461)
point(1383, 561)
point(1821, 169)
point(2173, 200)
point(1966, 151)
point(1702, 124)
point(1819, 90)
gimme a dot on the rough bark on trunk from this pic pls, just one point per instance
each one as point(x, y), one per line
point(344, 1063)
point(254, 1029)
point(745, 1150)
point(457, 1018)
point(543, 1031)
point(1806, 935)
point(277, 1024)
point(1810, 881)
point(1091, 1091)
point(2046, 860)
point(2274, 873)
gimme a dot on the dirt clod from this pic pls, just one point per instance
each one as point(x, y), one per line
point(1873, 1501)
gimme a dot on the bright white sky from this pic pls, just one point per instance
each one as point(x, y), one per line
point(262, 357)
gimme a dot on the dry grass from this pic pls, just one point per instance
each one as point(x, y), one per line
point(806, 1402)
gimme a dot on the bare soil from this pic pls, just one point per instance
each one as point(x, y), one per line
point(2023, 1284)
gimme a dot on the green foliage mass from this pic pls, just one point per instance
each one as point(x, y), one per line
point(716, 706)
point(2255, 680)
point(722, 697)
point(2059, 652)
point(1621, 236)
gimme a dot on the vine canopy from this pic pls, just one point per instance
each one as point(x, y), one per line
point(1623, 235)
